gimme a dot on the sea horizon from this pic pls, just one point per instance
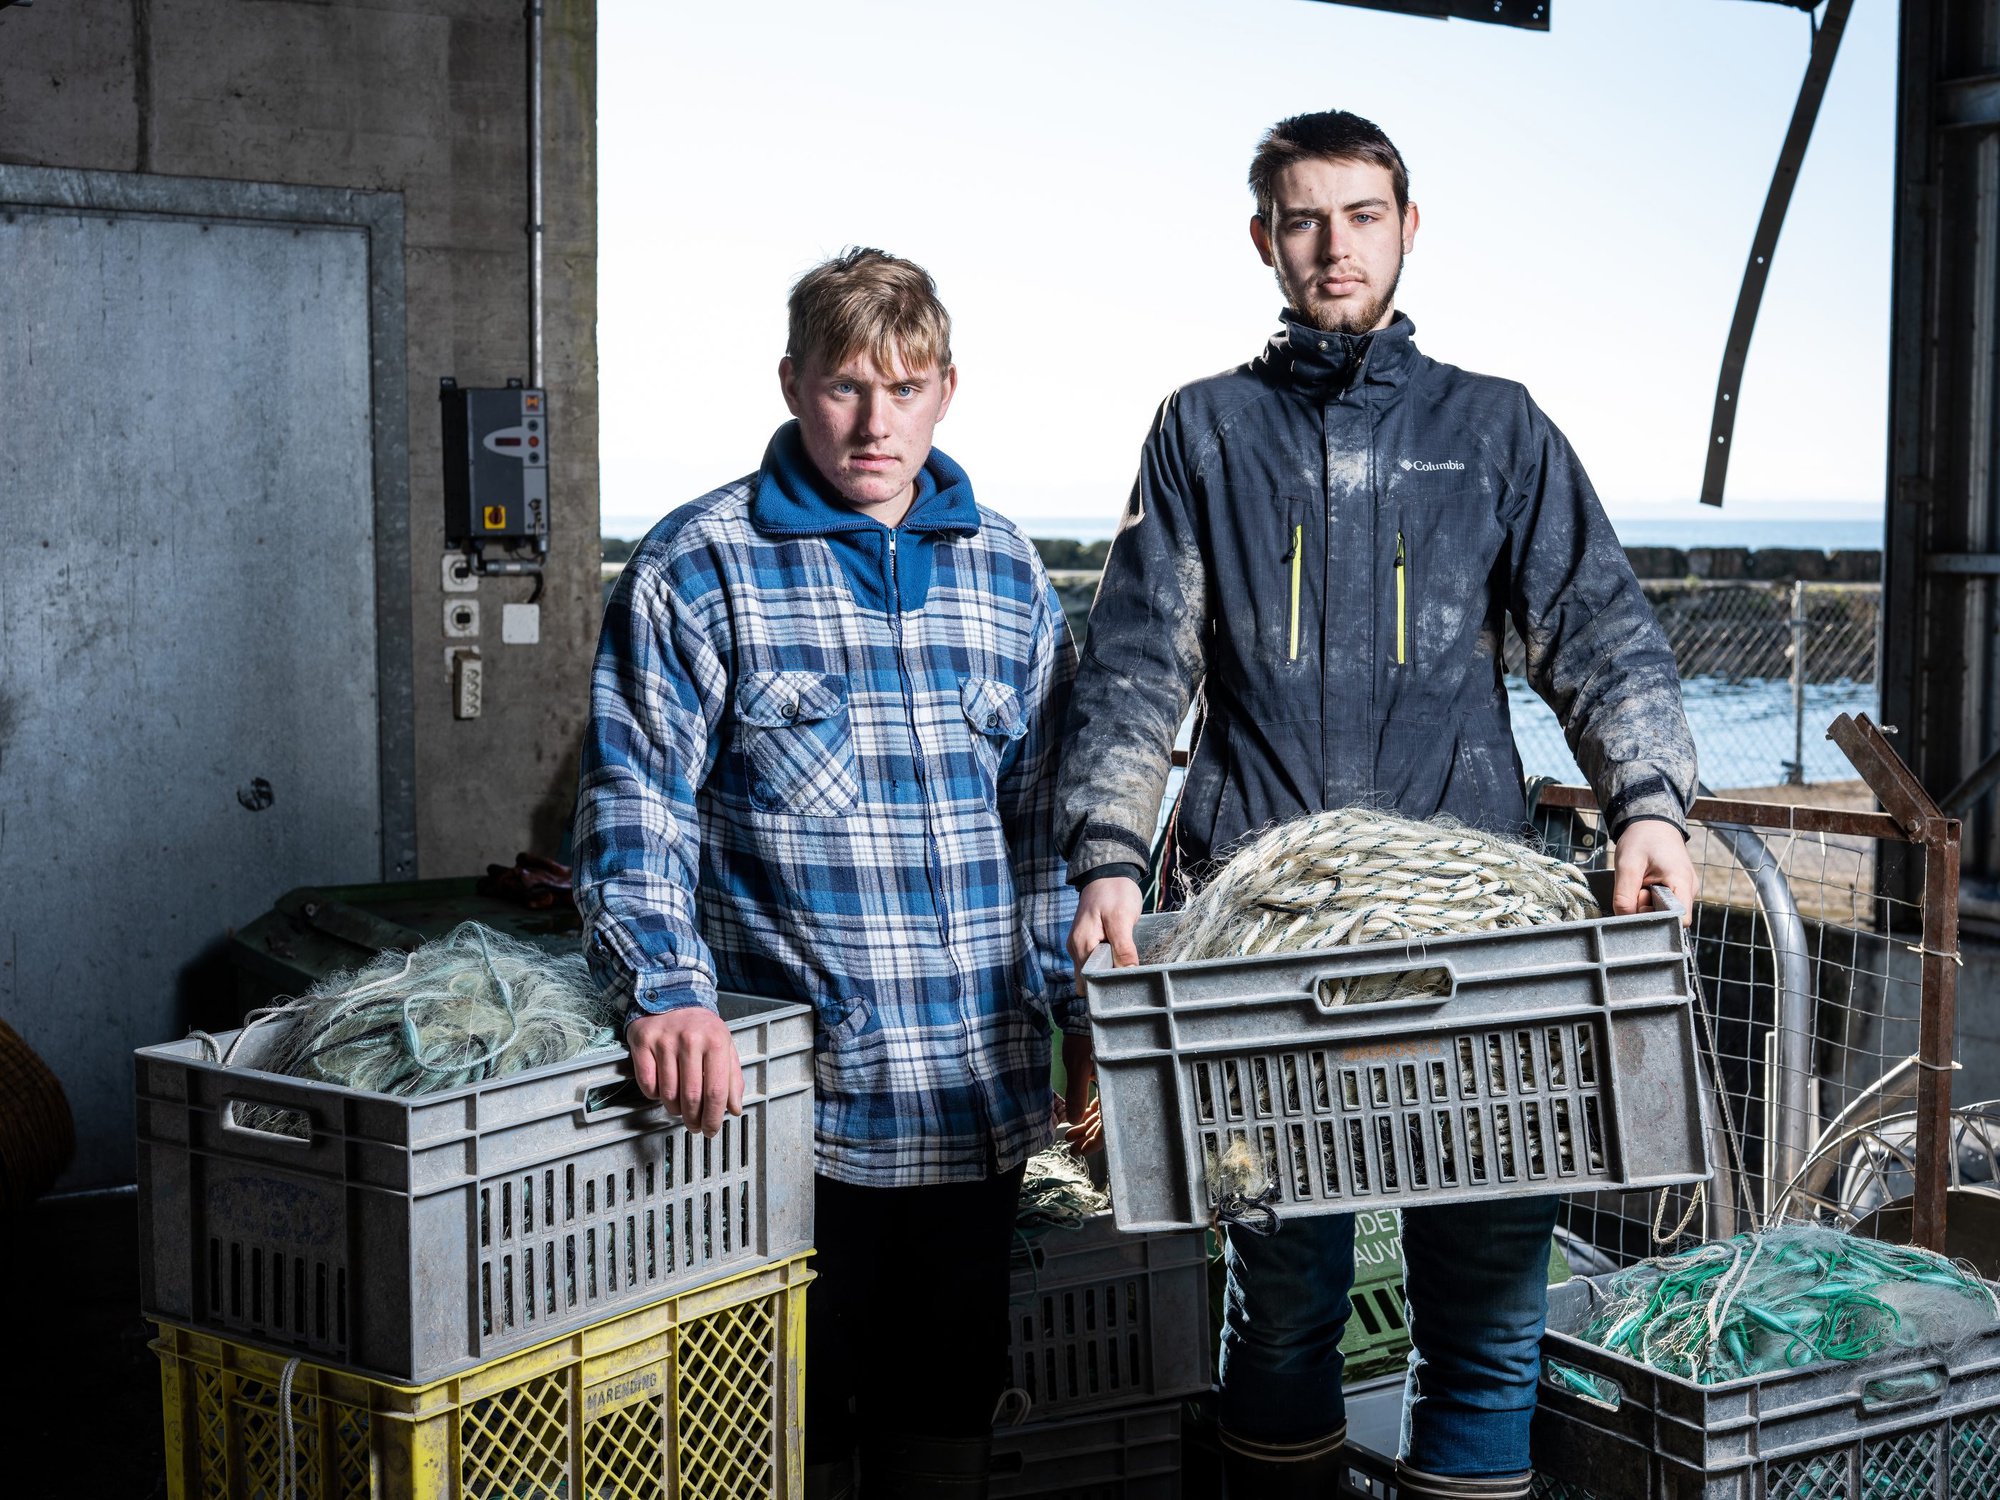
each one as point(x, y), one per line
point(1705, 528)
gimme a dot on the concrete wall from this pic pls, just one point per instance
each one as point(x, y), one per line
point(426, 98)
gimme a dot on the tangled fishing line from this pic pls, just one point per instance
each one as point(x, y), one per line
point(1761, 1304)
point(1057, 1193)
point(471, 1006)
point(1355, 875)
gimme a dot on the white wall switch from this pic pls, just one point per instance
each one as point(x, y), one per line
point(461, 618)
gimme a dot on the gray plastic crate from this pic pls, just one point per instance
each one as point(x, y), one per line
point(1900, 1427)
point(409, 1238)
point(1561, 1059)
point(1131, 1453)
point(1097, 1317)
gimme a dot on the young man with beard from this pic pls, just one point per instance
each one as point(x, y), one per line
point(1324, 543)
point(820, 766)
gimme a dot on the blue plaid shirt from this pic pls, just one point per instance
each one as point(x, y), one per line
point(821, 765)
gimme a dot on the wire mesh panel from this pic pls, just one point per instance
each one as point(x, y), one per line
point(1812, 993)
point(1762, 665)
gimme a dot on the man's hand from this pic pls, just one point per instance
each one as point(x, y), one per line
point(1105, 912)
point(1085, 1125)
point(1653, 852)
point(686, 1059)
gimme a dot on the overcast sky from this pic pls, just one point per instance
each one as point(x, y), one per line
point(1071, 171)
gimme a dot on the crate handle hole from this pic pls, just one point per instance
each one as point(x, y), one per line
point(292, 1126)
point(624, 1094)
point(1599, 1390)
point(1905, 1388)
point(1420, 985)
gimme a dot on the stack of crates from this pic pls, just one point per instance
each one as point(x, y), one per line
point(1108, 1335)
point(539, 1286)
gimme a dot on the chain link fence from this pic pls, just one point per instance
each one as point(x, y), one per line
point(1764, 668)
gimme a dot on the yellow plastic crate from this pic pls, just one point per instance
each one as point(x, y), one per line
point(698, 1397)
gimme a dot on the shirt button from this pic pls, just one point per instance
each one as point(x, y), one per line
point(1322, 343)
point(791, 710)
point(993, 721)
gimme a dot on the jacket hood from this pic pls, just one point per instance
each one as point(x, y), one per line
point(794, 499)
point(1318, 360)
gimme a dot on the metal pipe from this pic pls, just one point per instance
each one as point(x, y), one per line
point(535, 194)
point(1785, 1146)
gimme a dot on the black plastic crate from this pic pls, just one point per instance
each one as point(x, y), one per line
point(1098, 1318)
point(1907, 1426)
point(1129, 1453)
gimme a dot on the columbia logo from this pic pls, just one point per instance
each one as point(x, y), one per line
point(1423, 465)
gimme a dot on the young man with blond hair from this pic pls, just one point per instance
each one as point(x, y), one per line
point(821, 765)
point(1325, 544)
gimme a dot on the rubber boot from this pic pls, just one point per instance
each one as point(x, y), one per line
point(905, 1466)
point(830, 1481)
point(1414, 1484)
point(1282, 1471)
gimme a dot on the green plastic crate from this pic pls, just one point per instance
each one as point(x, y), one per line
point(1377, 1341)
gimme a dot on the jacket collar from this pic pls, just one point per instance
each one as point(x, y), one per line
point(793, 500)
point(1321, 361)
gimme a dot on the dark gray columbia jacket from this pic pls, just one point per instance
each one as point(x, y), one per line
point(1323, 542)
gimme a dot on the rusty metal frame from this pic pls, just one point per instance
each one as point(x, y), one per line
point(1909, 816)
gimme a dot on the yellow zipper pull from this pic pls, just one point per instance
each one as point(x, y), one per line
point(1298, 558)
point(1402, 573)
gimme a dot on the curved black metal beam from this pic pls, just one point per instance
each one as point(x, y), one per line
point(1819, 67)
point(1529, 15)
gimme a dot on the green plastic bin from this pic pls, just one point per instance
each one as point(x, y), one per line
point(1377, 1341)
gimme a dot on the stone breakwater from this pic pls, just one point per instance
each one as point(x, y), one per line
point(1662, 569)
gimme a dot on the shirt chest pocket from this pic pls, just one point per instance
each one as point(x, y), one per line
point(798, 743)
point(994, 716)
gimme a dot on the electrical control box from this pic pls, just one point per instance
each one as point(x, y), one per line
point(496, 465)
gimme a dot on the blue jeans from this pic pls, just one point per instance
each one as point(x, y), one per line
point(1476, 1280)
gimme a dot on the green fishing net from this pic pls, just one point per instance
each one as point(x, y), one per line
point(1759, 1304)
point(471, 1006)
